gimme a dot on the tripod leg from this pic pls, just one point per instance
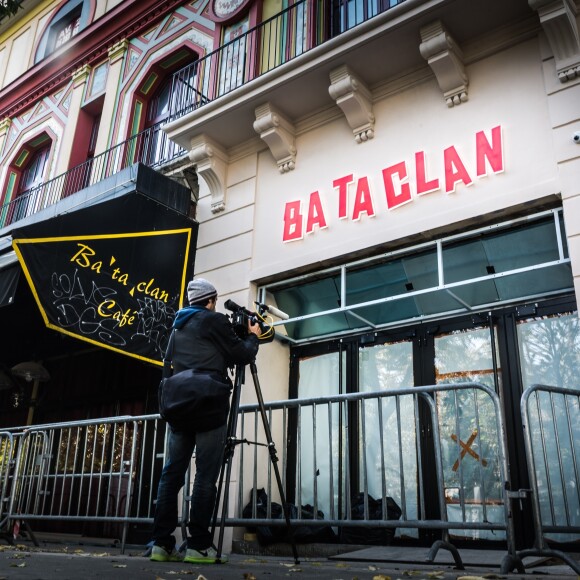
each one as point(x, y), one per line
point(273, 457)
point(226, 469)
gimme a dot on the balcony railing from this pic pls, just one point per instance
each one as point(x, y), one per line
point(151, 147)
point(272, 43)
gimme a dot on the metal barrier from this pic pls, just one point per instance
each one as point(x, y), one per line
point(464, 421)
point(105, 471)
point(551, 420)
point(101, 470)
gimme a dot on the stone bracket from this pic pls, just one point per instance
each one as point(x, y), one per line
point(355, 101)
point(211, 163)
point(278, 133)
point(559, 19)
point(446, 61)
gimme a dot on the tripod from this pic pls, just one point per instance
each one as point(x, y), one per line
point(231, 443)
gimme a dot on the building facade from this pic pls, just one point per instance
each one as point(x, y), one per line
point(401, 178)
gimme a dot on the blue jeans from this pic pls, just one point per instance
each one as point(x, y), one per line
point(209, 447)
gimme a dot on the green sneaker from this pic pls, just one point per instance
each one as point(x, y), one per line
point(160, 554)
point(208, 556)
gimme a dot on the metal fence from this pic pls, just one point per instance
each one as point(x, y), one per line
point(551, 420)
point(151, 147)
point(292, 32)
point(103, 473)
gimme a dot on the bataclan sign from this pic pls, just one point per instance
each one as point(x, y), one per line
point(119, 291)
point(401, 182)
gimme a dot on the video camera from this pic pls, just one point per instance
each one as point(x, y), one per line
point(240, 317)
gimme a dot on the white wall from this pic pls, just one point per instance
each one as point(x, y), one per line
point(506, 89)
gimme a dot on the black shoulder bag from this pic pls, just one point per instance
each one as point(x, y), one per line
point(192, 400)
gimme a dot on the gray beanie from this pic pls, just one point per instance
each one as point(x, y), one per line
point(200, 291)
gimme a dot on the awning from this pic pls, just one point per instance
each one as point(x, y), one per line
point(114, 273)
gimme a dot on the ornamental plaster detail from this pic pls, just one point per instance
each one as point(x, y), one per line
point(354, 99)
point(446, 61)
point(278, 133)
point(211, 163)
point(559, 19)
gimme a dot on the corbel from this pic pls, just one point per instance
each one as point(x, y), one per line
point(446, 61)
point(80, 75)
point(560, 23)
point(211, 163)
point(117, 51)
point(354, 99)
point(278, 133)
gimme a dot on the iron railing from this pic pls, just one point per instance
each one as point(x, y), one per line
point(272, 43)
point(276, 41)
point(151, 147)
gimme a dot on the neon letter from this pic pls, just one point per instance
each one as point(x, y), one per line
point(342, 185)
point(493, 153)
point(423, 186)
point(315, 213)
point(394, 200)
point(363, 201)
point(454, 170)
point(292, 221)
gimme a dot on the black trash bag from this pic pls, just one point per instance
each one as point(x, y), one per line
point(266, 534)
point(373, 536)
point(305, 534)
point(275, 534)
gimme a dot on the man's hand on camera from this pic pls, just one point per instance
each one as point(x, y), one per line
point(254, 327)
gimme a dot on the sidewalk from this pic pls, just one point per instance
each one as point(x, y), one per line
point(76, 562)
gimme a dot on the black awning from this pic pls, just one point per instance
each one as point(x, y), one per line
point(8, 283)
point(114, 273)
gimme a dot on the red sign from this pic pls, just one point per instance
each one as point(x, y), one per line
point(401, 181)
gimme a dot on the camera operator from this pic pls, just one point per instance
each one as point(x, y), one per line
point(204, 340)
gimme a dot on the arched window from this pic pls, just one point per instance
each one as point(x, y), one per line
point(28, 196)
point(154, 102)
point(68, 21)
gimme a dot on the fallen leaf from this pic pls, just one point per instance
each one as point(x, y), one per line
point(249, 576)
point(381, 577)
point(373, 568)
point(412, 573)
point(436, 575)
point(22, 565)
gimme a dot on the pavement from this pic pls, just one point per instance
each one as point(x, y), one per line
point(75, 561)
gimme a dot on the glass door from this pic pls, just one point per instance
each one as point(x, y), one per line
point(468, 428)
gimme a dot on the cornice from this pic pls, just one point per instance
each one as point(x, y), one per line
point(88, 47)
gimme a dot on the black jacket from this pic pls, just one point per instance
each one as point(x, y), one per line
point(205, 341)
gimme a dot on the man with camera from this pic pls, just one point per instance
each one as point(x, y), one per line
point(203, 340)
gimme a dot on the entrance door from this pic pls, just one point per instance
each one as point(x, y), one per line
point(505, 350)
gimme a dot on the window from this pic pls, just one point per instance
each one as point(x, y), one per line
point(158, 96)
point(68, 29)
point(64, 25)
point(29, 195)
point(494, 265)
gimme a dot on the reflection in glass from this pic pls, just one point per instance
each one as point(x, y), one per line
point(387, 443)
point(322, 432)
point(469, 431)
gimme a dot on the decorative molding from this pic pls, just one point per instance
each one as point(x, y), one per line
point(278, 133)
point(80, 75)
point(354, 99)
point(559, 21)
point(117, 51)
point(211, 163)
point(5, 125)
point(446, 61)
